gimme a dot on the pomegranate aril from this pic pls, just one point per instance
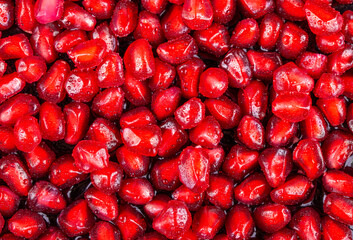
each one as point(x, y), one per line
point(7, 18)
point(245, 34)
point(272, 217)
point(77, 119)
point(27, 224)
point(138, 191)
point(163, 76)
point(332, 229)
point(15, 46)
point(154, 6)
point(172, 23)
point(9, 202)
point(347, 23)
point(223, 11)
point(306, 223)
point(207, 133)
point(45, 197)
point(156, 205)
point(190, 114)
point(263, 64)
point(191, 199)
point(283, 234)
point(208, 221)
point(251, 133)
point(76, 219)
point(280, 133)
point(329, 86)
point(295, 190)
point(174, 220)
point(338, 182)
point(334, 109)
point(314, 64)
point(99, 9)
point(146, 22)
point(10, 85)
point(315, 126)
point(220, 191)
point(53, 233)
point(165, 174)
point(330, 43)
point(137, 117)
point(7, 140)
point(256, 9)
point(124, 19)
point(165, 102)
point(270, 29)
point(51, 122)
point(292, 10)
point(339, 208)
point(104, 230)
point(104, 206)
point(27, 134)
point(136, 92)
point(103, 32)
point(31, 68)
point(68, 39)
point(108, 103)
point(75, 17)
point(197, 14)
point(46, 11)
point(108, 179)
point(81, 86)
point(110, 72)
point(239, 223)
point(340, 61)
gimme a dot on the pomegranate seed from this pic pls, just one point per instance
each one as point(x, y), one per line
point(339, 208)
point(154, 207)
point(27, 134)
point(137, 117)
point(27, 224)
point(172, 23)
point(251, 132)
point(75, 17)
point(239, 162)
point(7, 140)
point(340, 61)
point(330, 43)
point(208, 221)
point(165, 102)
point(239, 223)
point(194, 169)
point(191, 199)
point(313, 63)
point(216, 157)
point(263, 64)
point(207, 134)
point(272, 217)
point(163, 76)
point(124, 19)
point(334, 110)
point(270, 29)
point(292, 10)
point(190, 114)
point(77, 120)
point(154, 6)
point(10, 85)
point(108, 179)
point(295, 190)
point(46, 11)
point(213, 82)
point(165, 174)
point(108, 103)
point(174, 220)
point(9, 202)
point(68, 39)
point(104, 206)
point(15, 46)
point(31, 68)
point(53, 233)
point(256, 9)
point(103, 230)
point(332, 229)
point(8, 17)
point(329, 86)
point(136, 92)
point(51, 122)
point(189, 74)
point(197, 14)
point(283, 234)
point(220, 191)
point(146, 22)
point(103, 32)
point(76, 219)
point(253, 190)
point(137, 191)
point(99, 9)
point(306, 223)
point(280, 133)
point(347, 21)
point(245, 34)
point(45, 197)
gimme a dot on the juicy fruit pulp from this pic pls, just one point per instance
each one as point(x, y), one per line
point(176, 119)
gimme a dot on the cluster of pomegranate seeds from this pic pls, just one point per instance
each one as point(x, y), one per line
point(176, 119)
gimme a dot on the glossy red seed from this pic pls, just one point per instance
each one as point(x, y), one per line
point(322, 18)
point(77, 120)
point(295, 190)
point(81, 86)
point(130, 222)
point(216, 157)
point(220, 191)
point(103, 32)
point(10, 85)
point(253, 190)
point(136, 92)
point(308, 155)
point(108, 179)
point(191, 199)
point(9, 202)
point(39, 160)
point(347, 21)
point(239, 223)
point(292, 10)
point(253, 99)
point(237, 65)
point(251, 132)
point(208, 221)
point(279, 132)
point(263, 64)
point(31, 68)
point(48, 11)
point(42, 41)
point(104, 131)
point(256, 9)
point(104, 206)
point(207, 133)
point(68, 39)
point(338, 182)
point(163, 76)
point(76, 219)
point(64, 173)
point(283, 234)
point(330, 43)
point(148, 21)
point(90, 155)
point(8, 17)
point(124, 19)
point(137, 117)
point(223, 11)
point(213, 40)
point(15, 46)
point(27, 134)
point(313, 63)
point(194, 169)
point(45, 197)
point(306, 223)
point(190, 114)
point(337, 148)
point(292, 107)
point(137, 191)
point(109, 103)
point(174, 220)
point(332, 229)
point(27, 224)
point(329, 85)
point(315, 126)
point(7, 140)
point(154, 6)
point(213, 82)
point(53, 233)
point(143, 140)
point(239, 162)
point(292, 41)
point(51, 122)
point(272, 217)
point(99, 9)
point(110, 72)
point(178, 50)
point(139, 60)
point(189, 74)
point(339, 207)
point(154, 207)
point(276, 164)
point(51, 86)
point(270, 29)
point(226, 112)
point(334, 110)
point(197, 14)
point(246, 33)
point(165, 174)
point(341, 61)
point(103, 230)
point(165, 102)
point(75, 17)
point(88, 54)
point(172, 23)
